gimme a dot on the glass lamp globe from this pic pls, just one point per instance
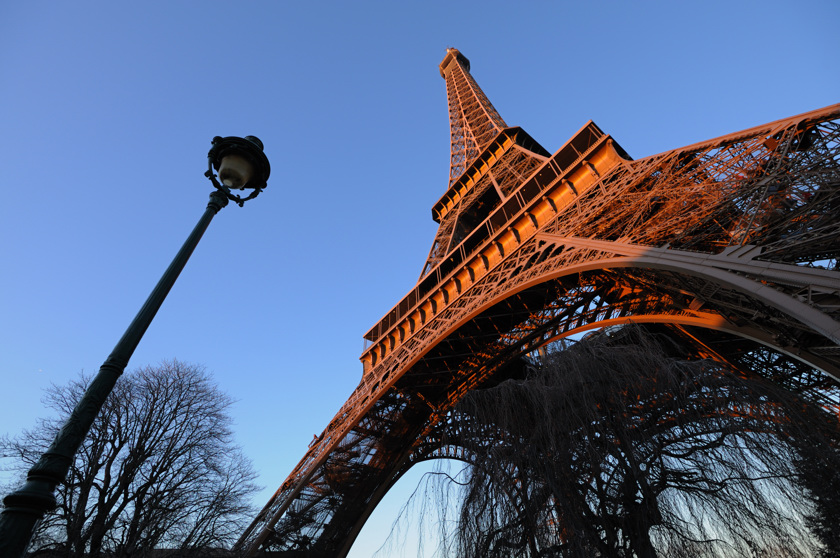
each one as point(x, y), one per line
point(235, 171)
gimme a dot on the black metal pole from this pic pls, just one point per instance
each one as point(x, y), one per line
point(25, 507)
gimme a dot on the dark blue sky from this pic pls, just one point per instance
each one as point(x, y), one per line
point(107, 111)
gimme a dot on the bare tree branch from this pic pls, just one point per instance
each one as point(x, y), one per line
point(159, 470)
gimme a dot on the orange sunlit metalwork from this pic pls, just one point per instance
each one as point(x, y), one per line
point(731, 243)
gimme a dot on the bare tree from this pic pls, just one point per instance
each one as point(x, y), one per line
point(158, 470)
point(616, 449)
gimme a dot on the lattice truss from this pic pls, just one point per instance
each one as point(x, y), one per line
point(777, 190)
point(731, 245)
point(473, 121)
point(497, 184)
point(457, 435)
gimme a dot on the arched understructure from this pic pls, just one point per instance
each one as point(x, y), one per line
point(732, 244)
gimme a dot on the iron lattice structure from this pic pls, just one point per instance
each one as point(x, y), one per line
point(731, 244)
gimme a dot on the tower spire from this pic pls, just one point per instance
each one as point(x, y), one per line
point(714, 246)
point(473, 121)
point(488, 159)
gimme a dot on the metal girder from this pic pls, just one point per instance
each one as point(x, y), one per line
point(732, 244)
point(473, 121)
point(734, 267)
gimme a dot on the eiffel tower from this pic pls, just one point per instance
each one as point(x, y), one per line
point(731, 244)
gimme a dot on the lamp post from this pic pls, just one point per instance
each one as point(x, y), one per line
point(241, 165)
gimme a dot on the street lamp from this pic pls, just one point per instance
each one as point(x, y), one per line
point(241, 165)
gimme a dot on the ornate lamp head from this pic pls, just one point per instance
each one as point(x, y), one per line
point(241, 164)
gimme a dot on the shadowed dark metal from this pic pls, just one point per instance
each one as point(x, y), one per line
point(731, 243)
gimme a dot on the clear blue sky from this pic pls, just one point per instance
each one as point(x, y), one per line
point(107, 110)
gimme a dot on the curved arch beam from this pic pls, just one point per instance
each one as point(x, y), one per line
point(715, 268)
point(721, 269)
point(716, 322)
point(658, 259)
point(409, 459)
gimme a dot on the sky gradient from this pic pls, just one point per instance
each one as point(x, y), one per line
point(107, 111)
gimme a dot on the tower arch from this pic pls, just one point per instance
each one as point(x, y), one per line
point(732, 244)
